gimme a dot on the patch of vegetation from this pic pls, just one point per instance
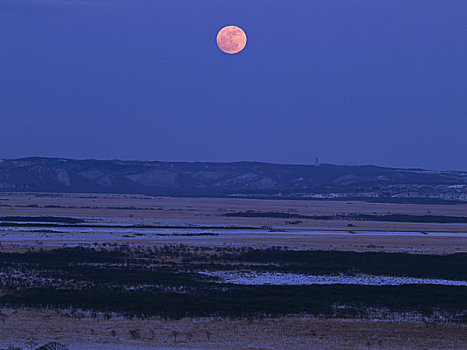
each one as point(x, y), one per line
point(163, 281)
point(438, 219)
point(181, 257)
point(54, 219)
point(441, 219)
point(82, 224)
point(241, 301)
point(453, 266)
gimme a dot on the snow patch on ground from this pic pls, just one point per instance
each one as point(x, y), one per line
point(291, 279)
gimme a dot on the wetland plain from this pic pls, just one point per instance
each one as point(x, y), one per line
point(138, 271)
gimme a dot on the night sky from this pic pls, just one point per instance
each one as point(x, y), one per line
point(366, 82)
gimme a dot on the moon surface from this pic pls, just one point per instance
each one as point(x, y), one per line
point(231, 39)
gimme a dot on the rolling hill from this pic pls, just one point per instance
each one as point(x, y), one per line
point(238, 179)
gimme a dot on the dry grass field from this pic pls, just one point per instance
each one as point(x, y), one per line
point(199, 211)
point(33, 327)
point(294, 233)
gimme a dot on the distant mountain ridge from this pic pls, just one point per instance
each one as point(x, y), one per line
point(237, 179)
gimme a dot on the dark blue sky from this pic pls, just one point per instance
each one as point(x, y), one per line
point(373, 82)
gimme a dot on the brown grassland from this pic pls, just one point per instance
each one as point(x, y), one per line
point(181, 212)
point(36, 327)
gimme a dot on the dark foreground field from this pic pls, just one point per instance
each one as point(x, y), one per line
point(165, 282)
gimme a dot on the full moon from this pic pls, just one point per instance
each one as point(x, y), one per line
point(231, 39)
